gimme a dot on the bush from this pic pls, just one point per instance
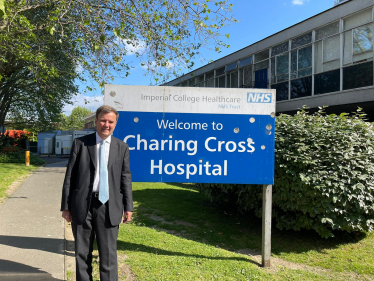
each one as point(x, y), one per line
point(18, 139)
point(6, 140)
point(324, 175)
point(19, 157)
point(7, 149)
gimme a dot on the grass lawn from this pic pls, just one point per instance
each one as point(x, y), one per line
point(10, 173)
point(177, 234)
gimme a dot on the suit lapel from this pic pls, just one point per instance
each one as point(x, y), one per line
point(93, 150)
point(113, 152)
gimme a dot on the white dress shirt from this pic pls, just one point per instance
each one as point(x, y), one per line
point(107, 148)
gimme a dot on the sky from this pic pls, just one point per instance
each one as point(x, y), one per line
point(257, 20)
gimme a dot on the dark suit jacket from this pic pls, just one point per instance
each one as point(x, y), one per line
point(79, 178)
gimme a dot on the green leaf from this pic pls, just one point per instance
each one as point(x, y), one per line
point(2, 8)
point(50, 29)
point(117, 32)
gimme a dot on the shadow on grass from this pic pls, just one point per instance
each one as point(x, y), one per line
point(190, 186)
point(215, 225)
point(121, 245)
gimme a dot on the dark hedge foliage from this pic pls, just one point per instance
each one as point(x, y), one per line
point(19, 157)
point(324, 175)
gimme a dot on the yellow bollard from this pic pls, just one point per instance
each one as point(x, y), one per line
point(27, 158)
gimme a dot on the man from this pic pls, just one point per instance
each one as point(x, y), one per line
point(96, 190)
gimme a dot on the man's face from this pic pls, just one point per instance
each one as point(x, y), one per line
point(105, 124)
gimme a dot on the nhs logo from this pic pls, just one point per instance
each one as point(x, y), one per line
point(259, 97)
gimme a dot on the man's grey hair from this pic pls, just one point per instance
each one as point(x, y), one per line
point(106, 109)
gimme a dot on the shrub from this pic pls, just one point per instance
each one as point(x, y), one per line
point(7, 149)
point(6, 140)
point(19, 157)
point(324, 175)
point(18, 139)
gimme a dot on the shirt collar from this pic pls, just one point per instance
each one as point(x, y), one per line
point(99, 139)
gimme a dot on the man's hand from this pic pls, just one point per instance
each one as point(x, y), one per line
point(127, 216)
point(67, 215)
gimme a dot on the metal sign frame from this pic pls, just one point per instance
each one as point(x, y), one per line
point(200, 135)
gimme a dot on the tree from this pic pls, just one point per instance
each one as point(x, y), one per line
point(37, 37)
point(75, 120)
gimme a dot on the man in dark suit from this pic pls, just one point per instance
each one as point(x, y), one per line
point(96, 193)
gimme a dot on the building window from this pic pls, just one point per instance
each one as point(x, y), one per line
point(327, 54)
point(363, 39)
point(220, 71)
point(231, 67)
point(262, 60)
point(246, 77)
point(331, 47)
point(262, 65)
point(184, 84)
point(357, 76)
point(301, 40)
point(282, 90)
point(232, 79)
point(358, 44)
point(328, 30)
point(210, 83)
point(301, 87)
point(200, 81)
point(282, 63)
point(358, 19)
point(245, 62)
point(191, 82)
point(304, 64)
point(220, 78)
point(279, 49)
point(327, 82)
point(232, 75)
point(220, 81)
point(262, 56)
point(245, 72)
point(209, 79)
point(301, 62)
point(280, 68)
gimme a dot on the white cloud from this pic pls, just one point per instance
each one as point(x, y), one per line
point(89, 102)
point(78, 67)
point(299, 2)
point(152, 65)
point(132, 46)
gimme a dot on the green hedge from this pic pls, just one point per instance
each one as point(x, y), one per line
point(324, 175)
point(19, 157)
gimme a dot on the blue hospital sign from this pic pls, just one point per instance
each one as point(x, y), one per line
point(206, 135)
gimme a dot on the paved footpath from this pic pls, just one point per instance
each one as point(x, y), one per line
point(32, 242)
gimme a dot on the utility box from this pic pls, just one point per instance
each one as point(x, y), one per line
point(65, 141)
point(58, 142)
point(63, 144)
point(46, 142)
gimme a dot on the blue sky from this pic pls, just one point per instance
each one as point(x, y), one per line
point(257, 20)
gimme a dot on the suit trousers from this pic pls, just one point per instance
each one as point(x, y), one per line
point(97, 224)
